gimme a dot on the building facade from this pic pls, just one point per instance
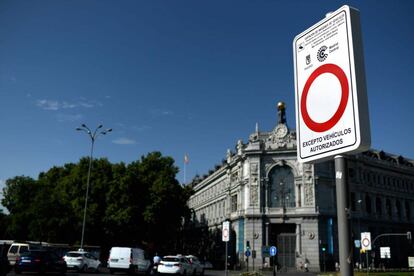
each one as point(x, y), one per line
point(273, 200)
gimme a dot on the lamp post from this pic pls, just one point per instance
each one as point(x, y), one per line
point(93, 137)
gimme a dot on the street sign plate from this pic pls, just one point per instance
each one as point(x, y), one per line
point(226, 231)
point(331, 101)
point(385, 252)
point(247, 253)
point(366, 240)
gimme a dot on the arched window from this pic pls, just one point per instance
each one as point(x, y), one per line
point(281, 187)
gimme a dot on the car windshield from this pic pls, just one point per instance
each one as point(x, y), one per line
point(171, 259)
point(74, 254)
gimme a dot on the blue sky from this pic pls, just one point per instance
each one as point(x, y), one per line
point(176, 76)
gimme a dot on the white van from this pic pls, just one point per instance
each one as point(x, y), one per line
point(128, 259)
point(15, 250)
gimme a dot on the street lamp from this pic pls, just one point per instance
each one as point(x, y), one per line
point(93, 137)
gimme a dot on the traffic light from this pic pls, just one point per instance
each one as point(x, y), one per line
point(323, 247)
point(247, 245)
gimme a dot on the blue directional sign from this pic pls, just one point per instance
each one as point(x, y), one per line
point(273, 251)
point(247, 253)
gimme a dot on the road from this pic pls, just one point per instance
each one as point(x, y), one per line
point(105, 272)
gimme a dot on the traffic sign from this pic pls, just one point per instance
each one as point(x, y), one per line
point(273, 251)
point(247, 253)
point(226, 231)
point(366, 240)
point(331, 99)
point(385, 252)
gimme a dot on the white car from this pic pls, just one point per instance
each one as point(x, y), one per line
point(81, 261)
point(175, 265)
point(198, 268)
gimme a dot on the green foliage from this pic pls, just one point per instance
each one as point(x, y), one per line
point(251, 273)
point(127, 205)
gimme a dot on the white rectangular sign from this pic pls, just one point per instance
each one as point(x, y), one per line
point(385, 252)
point(366, 240)
point(331, 101)
point(410, 261)
point(226, 231)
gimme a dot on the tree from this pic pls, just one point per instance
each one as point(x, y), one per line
point(18, 196)
point(136, 204)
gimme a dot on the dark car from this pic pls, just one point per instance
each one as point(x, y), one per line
point(5, 266)
point(40, 261)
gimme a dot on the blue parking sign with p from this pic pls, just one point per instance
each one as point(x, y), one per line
point(273, 251)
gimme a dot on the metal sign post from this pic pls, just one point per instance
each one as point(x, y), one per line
point(273, 252)
point(247, 254)
point(345, 252)
point(226, 238)
point(226, 272)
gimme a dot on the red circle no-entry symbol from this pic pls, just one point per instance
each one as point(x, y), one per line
point(343, 80)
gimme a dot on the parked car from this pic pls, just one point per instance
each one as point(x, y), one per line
point(40, 261)
point(15, 250)
point(175, 265)
point(127, 259)
point(198, 268)
point(82, 261)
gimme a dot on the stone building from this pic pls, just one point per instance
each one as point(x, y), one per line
point(272, 199)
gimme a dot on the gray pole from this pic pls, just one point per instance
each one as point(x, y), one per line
point(87, 192)
point(226, 271)
point(345, 252)
point(93, 137)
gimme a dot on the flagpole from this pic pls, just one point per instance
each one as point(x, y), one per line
point(185, 171)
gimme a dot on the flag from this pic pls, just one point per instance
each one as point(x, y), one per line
point(186, 159)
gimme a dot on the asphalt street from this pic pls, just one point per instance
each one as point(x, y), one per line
point(104, 272)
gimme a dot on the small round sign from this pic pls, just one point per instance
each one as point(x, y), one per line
point(343, 80)
point(366, 242)
point(247, 253)
point(226, 233)
point(273, 251)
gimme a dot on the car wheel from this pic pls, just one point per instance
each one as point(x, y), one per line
point(85, 268)
point(17, 271)
point(111, 271)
